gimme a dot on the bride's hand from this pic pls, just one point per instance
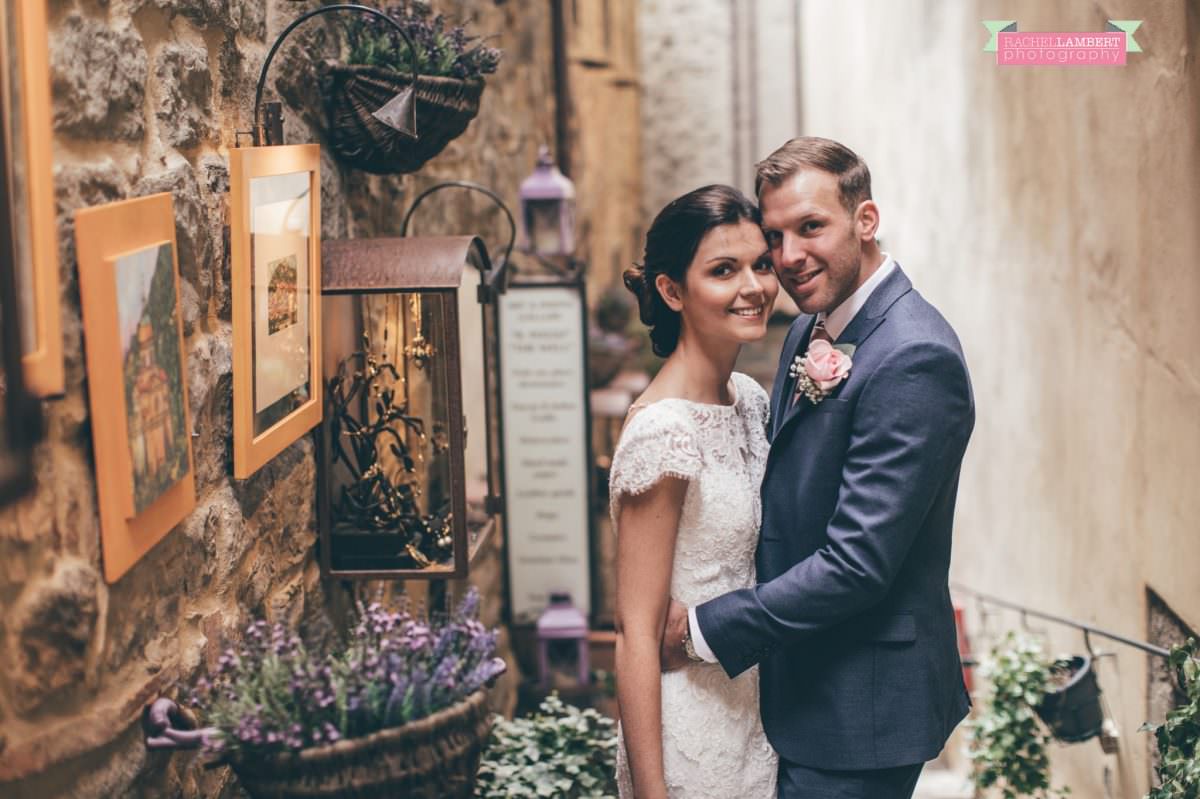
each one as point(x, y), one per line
point(671, 652)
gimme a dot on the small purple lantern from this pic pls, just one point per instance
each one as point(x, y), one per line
point(562, 621)
point(547, 210)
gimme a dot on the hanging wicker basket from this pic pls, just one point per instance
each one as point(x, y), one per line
point(433, 758)
point(445, 106)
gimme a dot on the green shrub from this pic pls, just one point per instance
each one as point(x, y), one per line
point(1179, 769)
point(560, 751)
point(1007, 740)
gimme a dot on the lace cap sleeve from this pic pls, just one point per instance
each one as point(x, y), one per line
point(754, 398)
point(658, 442)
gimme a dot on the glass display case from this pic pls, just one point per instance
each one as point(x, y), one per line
point(410, 468)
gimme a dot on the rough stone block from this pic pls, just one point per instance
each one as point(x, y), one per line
point(212, 416)
point(50, 633)
point(249, 17)
point(191, 229)
point(219, 529)
point(99, 79)
point(185, 95)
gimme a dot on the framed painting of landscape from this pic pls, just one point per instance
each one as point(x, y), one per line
point(137, 374)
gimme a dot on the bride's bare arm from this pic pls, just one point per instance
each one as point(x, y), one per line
point(647, 526)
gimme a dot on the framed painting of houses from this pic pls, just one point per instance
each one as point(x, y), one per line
point(137, 374)
point(275, 231)
point(25, 89)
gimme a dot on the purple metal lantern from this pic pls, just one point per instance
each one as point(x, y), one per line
point(562, 621)
point(547, 210)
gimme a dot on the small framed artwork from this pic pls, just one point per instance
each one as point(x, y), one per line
point(137, 374)
point(275, 203)
point(25, 86)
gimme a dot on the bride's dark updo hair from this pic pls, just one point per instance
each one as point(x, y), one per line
point(671, 243)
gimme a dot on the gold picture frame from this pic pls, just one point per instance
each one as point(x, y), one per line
point(275, 231)
point(137, 374)
point(25, 85)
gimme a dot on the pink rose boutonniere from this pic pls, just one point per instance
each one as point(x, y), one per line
point(821, 369)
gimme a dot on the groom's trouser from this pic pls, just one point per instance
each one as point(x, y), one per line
point(802, 782)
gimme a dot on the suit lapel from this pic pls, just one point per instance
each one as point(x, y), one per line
point(864, 323)
point(781, 395)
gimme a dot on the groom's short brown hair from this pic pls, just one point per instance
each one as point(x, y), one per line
point(854, 179)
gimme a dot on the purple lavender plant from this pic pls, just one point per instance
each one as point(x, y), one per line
point(272, 694)
point(441, 49)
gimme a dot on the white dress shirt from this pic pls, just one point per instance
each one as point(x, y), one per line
point(836, 322)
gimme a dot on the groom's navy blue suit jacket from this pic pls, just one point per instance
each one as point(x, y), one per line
point(851, 619)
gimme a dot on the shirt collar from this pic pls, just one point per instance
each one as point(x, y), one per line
point(840, 317)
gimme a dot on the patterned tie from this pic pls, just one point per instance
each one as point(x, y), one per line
point(819, 333)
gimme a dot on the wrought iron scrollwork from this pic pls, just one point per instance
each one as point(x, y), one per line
point(382, 497)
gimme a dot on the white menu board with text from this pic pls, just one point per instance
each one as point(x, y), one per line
point(545, 447)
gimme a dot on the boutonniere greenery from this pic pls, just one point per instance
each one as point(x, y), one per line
point(822, 369)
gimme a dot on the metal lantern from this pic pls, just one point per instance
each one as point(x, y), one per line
point(547, 210)
point(410, 461)
point(561, 621)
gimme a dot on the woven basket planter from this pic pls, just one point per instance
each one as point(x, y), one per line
point(433, 758)
point(445, 106)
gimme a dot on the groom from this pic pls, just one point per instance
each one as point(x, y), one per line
point(851, 622)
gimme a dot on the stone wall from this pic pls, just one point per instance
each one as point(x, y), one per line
point(1050, 214)
point(148, 95)
point(721, 91)
point(605, 88)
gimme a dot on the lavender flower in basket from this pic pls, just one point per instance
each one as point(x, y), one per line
point(442, 49)
point(272, 694)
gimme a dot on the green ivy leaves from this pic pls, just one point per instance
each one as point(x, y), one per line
point(1007, 740)
point(559, 752)
point(1179, 768)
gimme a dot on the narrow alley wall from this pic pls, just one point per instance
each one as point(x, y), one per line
point(148, 95)
point(721, 91)
point(1050, 213)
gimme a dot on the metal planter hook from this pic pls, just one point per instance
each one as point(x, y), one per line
point(399, 113)
point(498, 279)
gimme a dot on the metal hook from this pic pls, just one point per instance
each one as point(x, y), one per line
point(985, 616)
point(1092, 653)
point(398, 113)
point(1041, 632)
point(168, 726)
point(502, 266)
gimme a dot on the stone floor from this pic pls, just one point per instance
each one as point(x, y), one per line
point(938, 783)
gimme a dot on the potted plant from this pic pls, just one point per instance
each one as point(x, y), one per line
point(559, 751)
point(1178, 736)
point(398, 710)
point(450, 65)
point(1007, 742)
point(1071, 705)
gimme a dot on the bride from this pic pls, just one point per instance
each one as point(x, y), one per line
point(685, 501)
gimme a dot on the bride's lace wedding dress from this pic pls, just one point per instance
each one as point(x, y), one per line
point(713, 742)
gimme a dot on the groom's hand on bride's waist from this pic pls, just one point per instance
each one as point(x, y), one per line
point(671, 650)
